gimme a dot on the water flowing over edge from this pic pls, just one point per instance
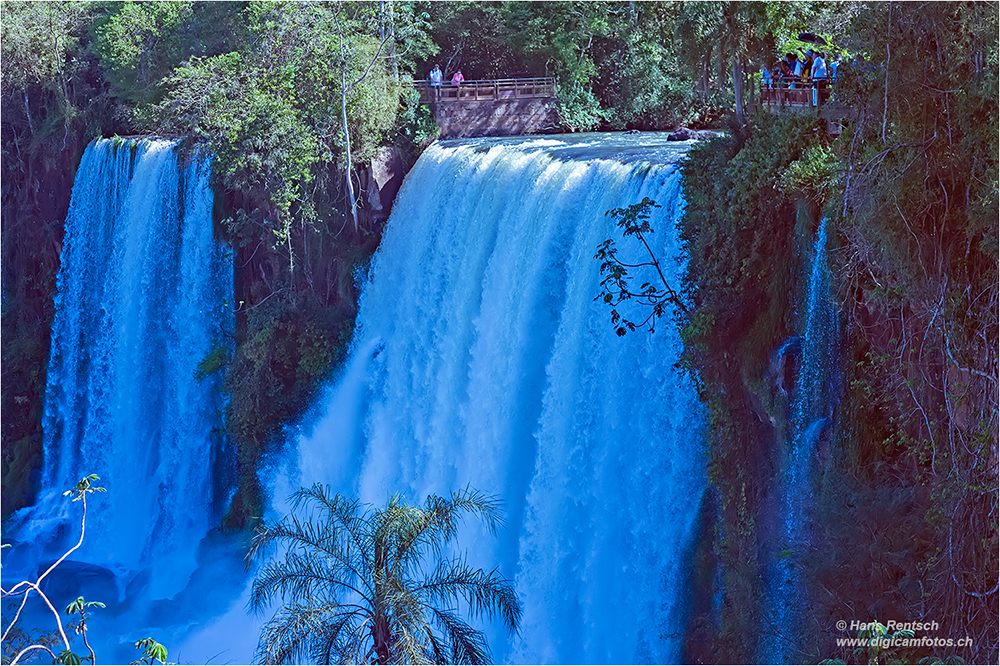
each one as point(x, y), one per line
point(481, 358)
point(812, 406)
point(144, 293)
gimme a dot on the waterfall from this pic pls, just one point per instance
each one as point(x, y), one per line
point(811, 413)
point(143, 294)
point(480, 357)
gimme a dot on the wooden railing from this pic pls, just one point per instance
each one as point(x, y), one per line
point(487, 90)
point(793, 94)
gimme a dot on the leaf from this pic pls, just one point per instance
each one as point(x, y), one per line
point(68, 657)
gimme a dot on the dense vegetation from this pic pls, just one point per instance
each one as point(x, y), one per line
point(905, 523)
point(298, 100)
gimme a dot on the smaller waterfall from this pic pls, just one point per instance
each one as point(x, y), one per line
point(811, 413)
point(142, 296)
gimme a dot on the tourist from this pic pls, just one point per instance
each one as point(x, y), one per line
point(807, 63)
point(456, 80)
point(436, 77)
point(794, 68)
point(819, 72)
point(834, 66)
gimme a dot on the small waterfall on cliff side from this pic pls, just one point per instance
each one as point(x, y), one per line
point(143, 294)
point(480, 357)
point(811, 413)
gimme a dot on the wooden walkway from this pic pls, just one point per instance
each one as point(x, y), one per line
point(488, 90)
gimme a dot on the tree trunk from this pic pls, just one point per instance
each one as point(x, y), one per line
point(720, 81)
point(703, 78)
point(738, 90)
point(347, 149)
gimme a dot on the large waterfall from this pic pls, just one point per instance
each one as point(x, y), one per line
point(144, 293)
point(481, 358)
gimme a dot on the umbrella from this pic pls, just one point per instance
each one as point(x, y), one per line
point(811, 38)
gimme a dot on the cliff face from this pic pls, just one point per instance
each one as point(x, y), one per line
point(901, 476)
point(36, 196)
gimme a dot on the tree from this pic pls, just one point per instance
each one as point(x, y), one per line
point(38, 41)
point(355, 586)
point(141, 43)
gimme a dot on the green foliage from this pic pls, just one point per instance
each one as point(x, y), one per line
point(141, 42)
point(739, 232)
point(259, 140)
point(68, 657)
point(815, 177)
point(80, 606)
point(287, 350)
point(152, 652)
point(920, 281)
point(85, 486)
point(641, 83)
point(617, 283)
point(742, 234)
point(416, 125)
point(908, 188)
point(216, 359)
point(313, 85)
point(37, 39)
point(20, 643)
point(356, 584)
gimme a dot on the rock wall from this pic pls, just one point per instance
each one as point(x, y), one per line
point(494, 118)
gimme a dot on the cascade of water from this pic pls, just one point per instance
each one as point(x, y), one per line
point(811, 413)
point(481, 358)
point(143, 295)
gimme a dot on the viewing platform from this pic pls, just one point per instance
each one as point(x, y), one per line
point(488, 90)
point(789, 96)
point(496, 107)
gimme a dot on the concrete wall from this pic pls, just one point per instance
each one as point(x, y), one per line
point(469, 118)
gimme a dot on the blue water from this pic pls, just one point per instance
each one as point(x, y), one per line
point(144, 292)
point(480, 357)
point(811, 414)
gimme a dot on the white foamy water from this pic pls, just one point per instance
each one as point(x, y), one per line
point(481, 358)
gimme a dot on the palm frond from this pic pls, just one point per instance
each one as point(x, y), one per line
point(437, 523)
point(305, 576)
point(485, 592)
point(289, 636)
point(468, 645)
point(338, 644)
point(342, 549)
point(438, 652)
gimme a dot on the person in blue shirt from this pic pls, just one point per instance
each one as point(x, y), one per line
point(436, 81)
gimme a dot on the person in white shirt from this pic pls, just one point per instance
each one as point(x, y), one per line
point(819, 72)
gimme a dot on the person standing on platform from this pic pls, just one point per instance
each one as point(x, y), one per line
point(436, 77)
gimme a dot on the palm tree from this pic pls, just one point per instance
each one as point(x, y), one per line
point(354, 587)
